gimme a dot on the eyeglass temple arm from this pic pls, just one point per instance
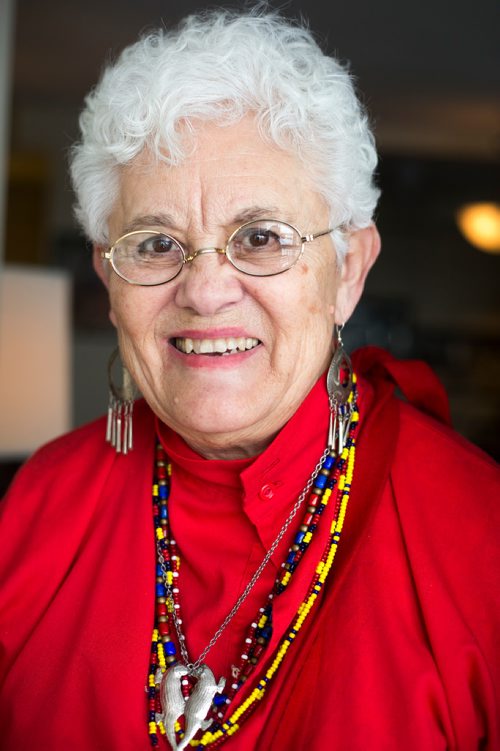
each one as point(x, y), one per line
point(309, 238)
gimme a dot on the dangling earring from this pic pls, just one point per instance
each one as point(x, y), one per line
point(120, 408)
point(339, 387)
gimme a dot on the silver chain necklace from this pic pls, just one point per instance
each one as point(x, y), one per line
point(193, 668)
point(196, 707)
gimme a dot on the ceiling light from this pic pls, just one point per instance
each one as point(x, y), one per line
point(479, 223)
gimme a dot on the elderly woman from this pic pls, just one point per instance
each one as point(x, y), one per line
point(282, 555)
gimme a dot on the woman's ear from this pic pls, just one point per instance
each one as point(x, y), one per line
point(362, 252)
point(101, 266)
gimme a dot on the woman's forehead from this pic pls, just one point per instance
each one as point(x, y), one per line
point(230, 175)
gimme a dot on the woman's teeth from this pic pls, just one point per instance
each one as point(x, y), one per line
point(229, 346)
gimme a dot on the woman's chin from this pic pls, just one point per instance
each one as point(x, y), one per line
point(221, 416)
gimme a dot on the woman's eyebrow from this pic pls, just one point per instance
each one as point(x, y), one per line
point(149, 220)
point(256, 212)
point(162, 219)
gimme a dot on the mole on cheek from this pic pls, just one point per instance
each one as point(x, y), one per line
point(314, 309)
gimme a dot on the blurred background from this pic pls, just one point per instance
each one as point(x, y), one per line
point(429, 74)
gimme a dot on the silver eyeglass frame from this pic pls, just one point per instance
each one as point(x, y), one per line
point(304, 239)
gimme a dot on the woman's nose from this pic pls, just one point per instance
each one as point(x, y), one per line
point(208, 282)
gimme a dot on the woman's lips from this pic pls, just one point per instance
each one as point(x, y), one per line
point(230, 345)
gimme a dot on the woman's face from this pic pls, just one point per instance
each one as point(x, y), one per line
point(233, 405)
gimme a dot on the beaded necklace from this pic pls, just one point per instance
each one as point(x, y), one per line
point(329, 484)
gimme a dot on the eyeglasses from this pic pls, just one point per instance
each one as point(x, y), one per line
point(260, 248)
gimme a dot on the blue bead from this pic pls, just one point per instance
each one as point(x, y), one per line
point(163, 512)
point(160, 590)
point(329, 462)
point(291, 557)
point(299, 537)
point(320, 481)
point(163, 492)
point(220, 699)
point(266, 632)
point(169, 648)
point(159, 572)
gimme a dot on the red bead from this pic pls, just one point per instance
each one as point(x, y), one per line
point(246, 670)
point(306, 521)
point(313, 500)
point(163, 628)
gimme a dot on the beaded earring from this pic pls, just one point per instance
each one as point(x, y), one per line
point(339, 387)
point(120, 408)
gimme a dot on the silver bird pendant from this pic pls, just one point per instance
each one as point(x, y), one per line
point(195, 708)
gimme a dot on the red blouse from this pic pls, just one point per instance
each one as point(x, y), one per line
point(401, 653)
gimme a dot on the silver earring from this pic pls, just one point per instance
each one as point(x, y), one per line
point(339, 387)
point(120, 408)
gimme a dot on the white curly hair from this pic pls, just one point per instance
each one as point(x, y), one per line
point(219, 66)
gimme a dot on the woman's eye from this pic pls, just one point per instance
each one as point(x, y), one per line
point(155, 246)
point(260, 238)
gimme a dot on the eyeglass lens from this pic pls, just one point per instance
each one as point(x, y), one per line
point(260, 248)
